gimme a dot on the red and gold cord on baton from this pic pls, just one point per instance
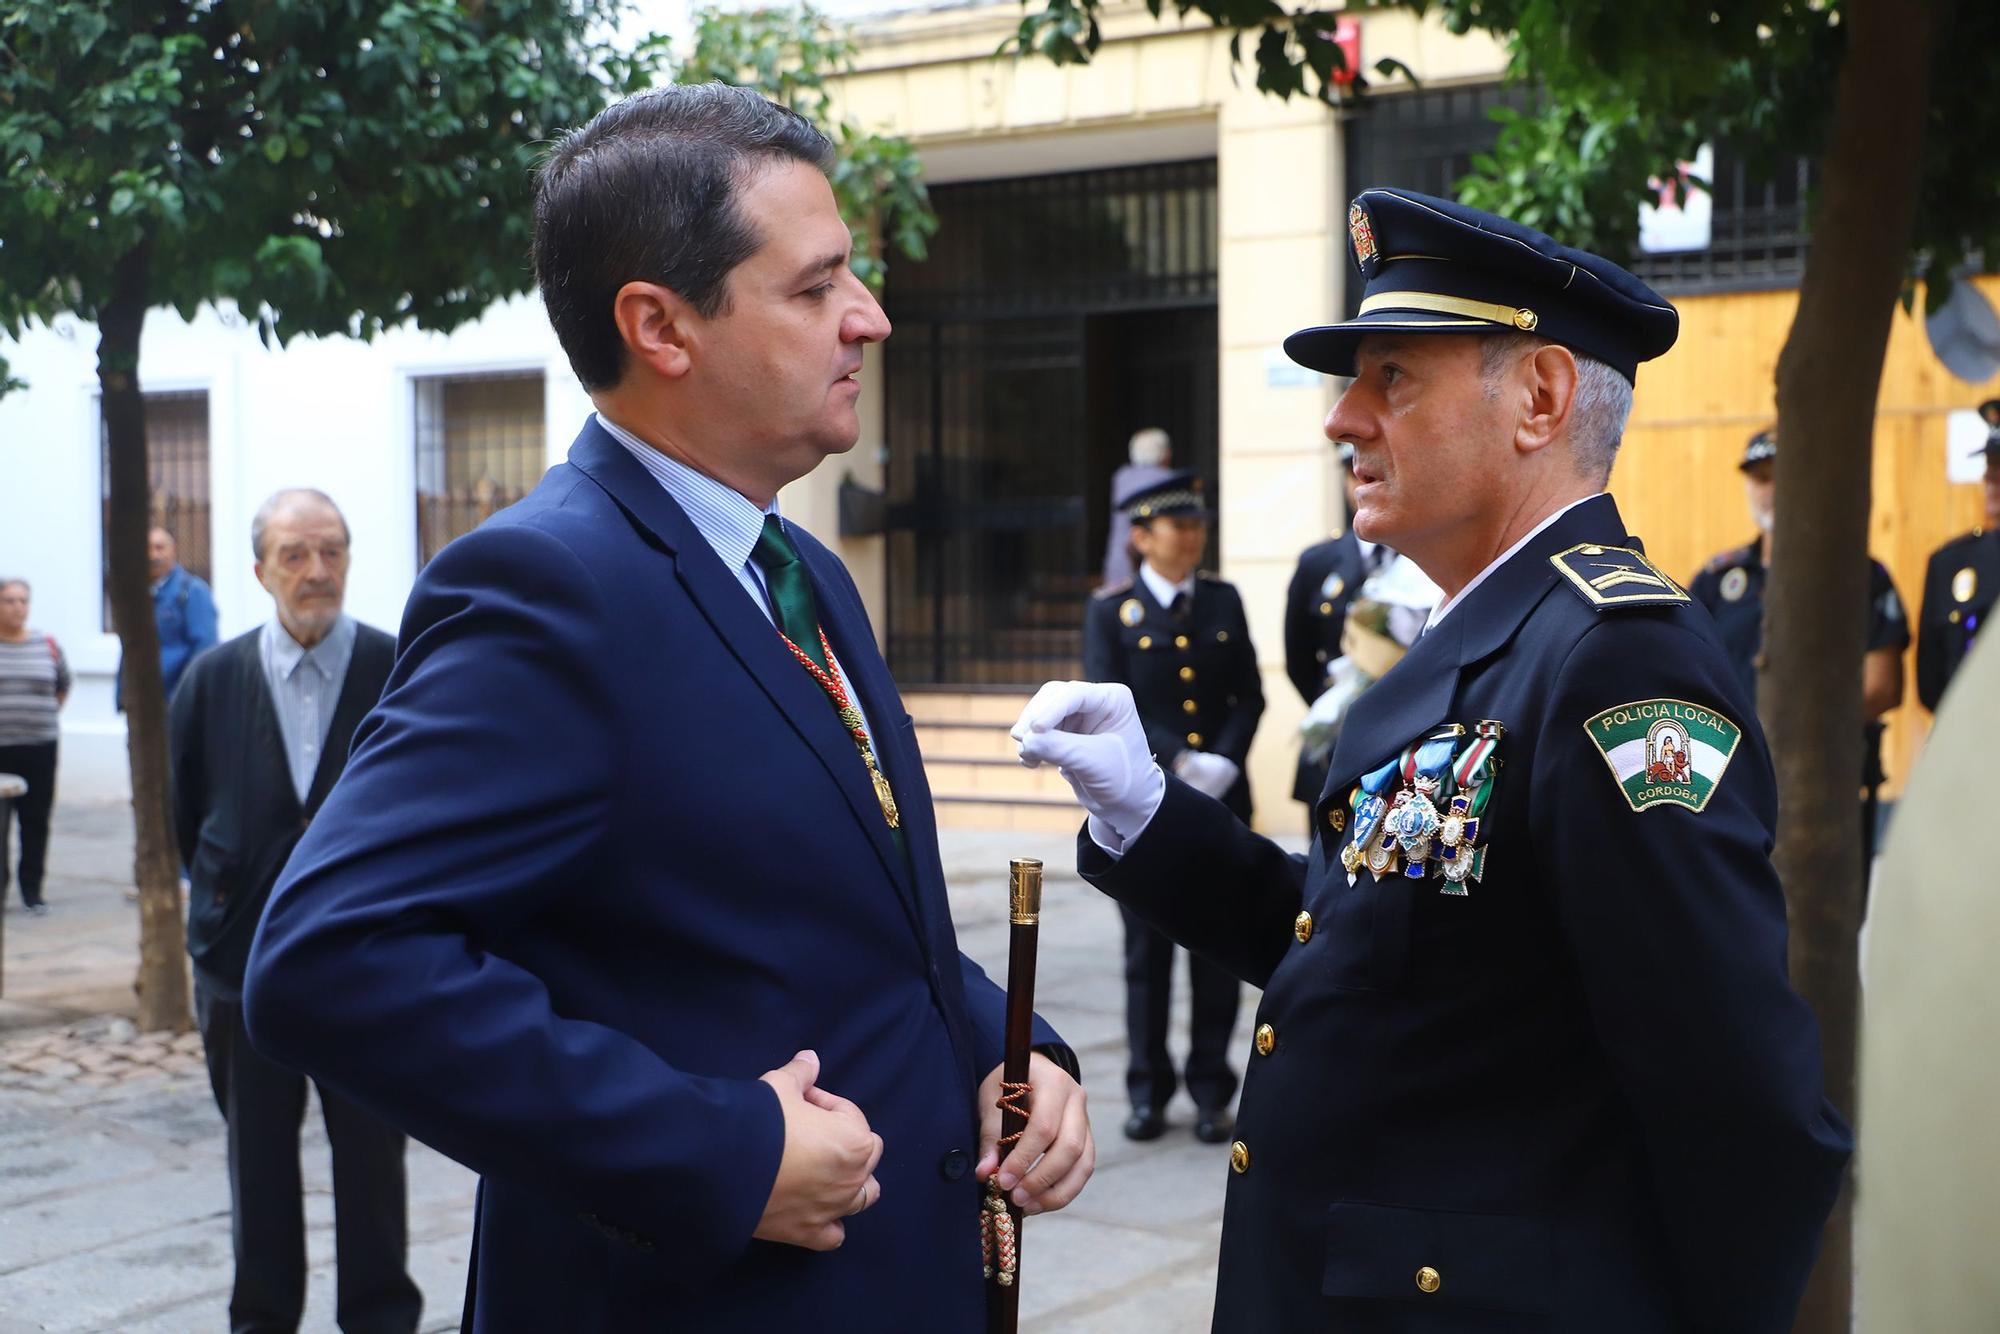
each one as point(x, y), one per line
point(996, 1225)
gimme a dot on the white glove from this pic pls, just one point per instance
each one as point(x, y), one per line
point(1206, 771)
point(1092, 734)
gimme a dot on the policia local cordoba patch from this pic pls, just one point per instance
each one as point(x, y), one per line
point(1665, 751)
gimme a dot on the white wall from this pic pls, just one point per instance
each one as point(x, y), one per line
point(331, 413)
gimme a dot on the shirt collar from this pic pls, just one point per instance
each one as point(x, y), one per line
point(286, 653)
point(1162, 591)
point(729, 520)
point(1439, 612)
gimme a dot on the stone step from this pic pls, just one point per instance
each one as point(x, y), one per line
point(965, 741)
point(1026, 814)
point(994, 778)
point(952, 706)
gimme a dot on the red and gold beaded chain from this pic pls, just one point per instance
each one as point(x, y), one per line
point(850, 718)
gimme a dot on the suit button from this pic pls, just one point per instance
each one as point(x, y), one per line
point(1326, 609)
point(1267, 1038)
point(1222, 636)
point(1194, 738)
point(954, 1165)
point(1188, 706)
point(1180, 641)
point(1239, 1157)
point(1187, 673)
point(1321, 655)
point(1302, 927)
point(1336, 817)
point(1428, 1279)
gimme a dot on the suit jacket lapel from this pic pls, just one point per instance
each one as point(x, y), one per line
point(267, 735)
point(748, 635)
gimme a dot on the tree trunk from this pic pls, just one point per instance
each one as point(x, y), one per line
point(162, 979)
point(1828, 378)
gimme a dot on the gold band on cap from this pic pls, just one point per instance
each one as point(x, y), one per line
point(1441, 304)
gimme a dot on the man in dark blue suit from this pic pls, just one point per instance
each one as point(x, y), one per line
point(635, 865)
point(1527, 1057)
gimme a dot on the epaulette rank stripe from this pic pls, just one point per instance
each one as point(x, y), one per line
point(1616, 577)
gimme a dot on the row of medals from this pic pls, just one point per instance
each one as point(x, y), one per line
point(1414, 835)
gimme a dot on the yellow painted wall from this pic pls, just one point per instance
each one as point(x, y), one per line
point(1677, 484)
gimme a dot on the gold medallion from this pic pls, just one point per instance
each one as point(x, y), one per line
point(1131, 611)
point(1964, 584)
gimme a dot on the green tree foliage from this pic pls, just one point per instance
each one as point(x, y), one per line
point(791, 55)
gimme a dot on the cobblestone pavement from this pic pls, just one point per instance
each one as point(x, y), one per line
point(114, 1201)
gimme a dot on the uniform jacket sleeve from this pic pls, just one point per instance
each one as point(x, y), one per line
point(1933, 672)
point(451, 826)
point(1170, 876)
point(1677, 924)
point(1246, 684)
point(1104, 659)
point(1307, 672)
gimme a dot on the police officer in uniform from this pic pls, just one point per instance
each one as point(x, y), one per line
point(1177, 637)
point(1527, 1057)
point(1731, 586)
point(1961, 583)
point(1328, 576)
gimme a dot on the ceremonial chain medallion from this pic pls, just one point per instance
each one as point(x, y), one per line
point(1433, 820)
point(850, 718)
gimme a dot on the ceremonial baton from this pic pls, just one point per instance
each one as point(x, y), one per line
point(999, 1217)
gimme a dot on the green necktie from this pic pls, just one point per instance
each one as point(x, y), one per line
point(791, 588)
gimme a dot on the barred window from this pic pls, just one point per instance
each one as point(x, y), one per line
point(481, 446)
point(1425, 140)
point(177, 480)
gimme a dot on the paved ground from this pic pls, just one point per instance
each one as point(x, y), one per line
point(114, 1203)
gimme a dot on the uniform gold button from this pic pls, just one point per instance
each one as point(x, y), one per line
point(1188, 706)
point(1302, 927)
point(1194, 738)
point(1180, 641)
point(1336, 816)
point(1429, 1280)
point(1222, 636)
point(1326, 609)
point(1145, 641)
point(1239, 1157)
point(1267, 1038)
point(1187, 673)
point(1321, 655)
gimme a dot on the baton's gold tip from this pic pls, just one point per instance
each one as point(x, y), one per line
point(1024, 884)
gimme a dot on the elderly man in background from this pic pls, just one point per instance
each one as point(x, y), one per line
point(260, 731)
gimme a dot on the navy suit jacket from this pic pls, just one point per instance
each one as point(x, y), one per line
point(601, 857)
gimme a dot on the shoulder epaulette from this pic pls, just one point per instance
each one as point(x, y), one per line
point(1113, 590)
point(1209, 575)
point(1616, 577)
point(1723, 560)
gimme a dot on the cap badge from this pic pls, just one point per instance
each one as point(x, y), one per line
point(1526, 320)
point(1362, 233)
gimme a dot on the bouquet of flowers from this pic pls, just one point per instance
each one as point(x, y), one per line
point(1385, 618)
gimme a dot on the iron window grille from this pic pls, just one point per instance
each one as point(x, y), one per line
point(177, 481)
point(481, 445)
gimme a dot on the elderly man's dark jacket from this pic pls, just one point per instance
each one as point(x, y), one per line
point(1579, 1096)
point(235, 813)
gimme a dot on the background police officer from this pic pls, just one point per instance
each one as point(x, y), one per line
point(1961, 583)
point(1329, 574)
point(1731, 586)
point(1527, 1057)
point(1178, 638)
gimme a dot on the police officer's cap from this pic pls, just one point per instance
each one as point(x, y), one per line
point(1761, 448)
point(1429, 265)
point(1989, 412)
point(1177, 495)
